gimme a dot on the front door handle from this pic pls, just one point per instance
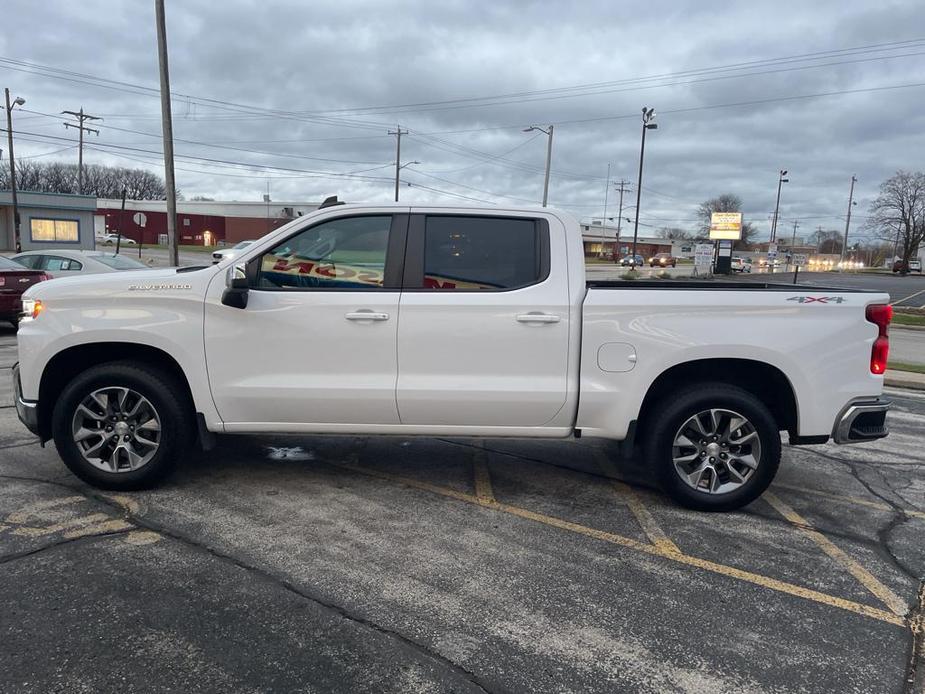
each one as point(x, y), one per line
point(538, 318)
point(366, 315)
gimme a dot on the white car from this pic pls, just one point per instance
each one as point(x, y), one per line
point(68, 262)
point(740, 264)
point(113, 239)
point(228, 253)
point(447, 321)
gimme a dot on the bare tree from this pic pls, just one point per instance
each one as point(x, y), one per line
point(898, 214)
point(727, 202)
point(675, 234)
point(101, 181)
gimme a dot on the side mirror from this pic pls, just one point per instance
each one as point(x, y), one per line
point(236, 286)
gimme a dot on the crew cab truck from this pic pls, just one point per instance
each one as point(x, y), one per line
point(446, 321)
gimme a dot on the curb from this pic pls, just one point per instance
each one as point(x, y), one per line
point(895, 381)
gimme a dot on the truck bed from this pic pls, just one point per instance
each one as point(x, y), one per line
point(716, 285)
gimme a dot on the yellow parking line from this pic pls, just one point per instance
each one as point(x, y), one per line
point(19, 517)
point(880, 506)
point(483, 491)
point(905, 298)
point(80, 521)
point(629, 543)
point(629, 496)
point(110, 526)
point(865, 577)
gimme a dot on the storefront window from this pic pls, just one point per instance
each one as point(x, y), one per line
point(63, 230)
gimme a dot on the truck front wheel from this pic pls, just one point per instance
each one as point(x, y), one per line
point(715, 447)
point(122, 425)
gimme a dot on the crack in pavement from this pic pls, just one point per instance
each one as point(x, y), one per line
point(7, 558)
point(915, 675)
point(287, 585)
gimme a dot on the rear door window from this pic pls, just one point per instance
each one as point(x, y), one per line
point(483, 253)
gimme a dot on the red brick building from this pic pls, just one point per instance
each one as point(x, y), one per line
point(199, 223)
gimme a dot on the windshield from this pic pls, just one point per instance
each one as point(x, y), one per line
point(243, 244)
point(118, 262)
point(7, 264)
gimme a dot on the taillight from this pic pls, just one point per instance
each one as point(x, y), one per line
point(880, 315)
point(2, 281)
point(31, 308)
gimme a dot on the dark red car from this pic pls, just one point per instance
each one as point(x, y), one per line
point(14, 280)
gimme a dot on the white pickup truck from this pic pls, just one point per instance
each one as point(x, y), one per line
point(445, 321)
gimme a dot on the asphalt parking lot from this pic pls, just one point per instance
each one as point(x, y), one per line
point(384, 564)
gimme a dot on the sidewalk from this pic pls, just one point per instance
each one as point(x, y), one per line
point(904, 379)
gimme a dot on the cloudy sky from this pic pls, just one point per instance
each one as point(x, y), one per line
point(301, 96)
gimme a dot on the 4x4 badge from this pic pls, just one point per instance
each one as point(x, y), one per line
point(817, 299)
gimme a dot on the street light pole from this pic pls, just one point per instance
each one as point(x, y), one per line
point(648, 114)
point(780, 180)
point(548, 132)
point(18, 101)
point(844, 248)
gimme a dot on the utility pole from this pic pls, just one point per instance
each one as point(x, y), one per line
point(844, 248)
point(167, 126)
point(793, 238)
point(81, 117)
point(818, 239)
point(18, 101)
point(398, 132)
point(622, 190)
point(604, 219)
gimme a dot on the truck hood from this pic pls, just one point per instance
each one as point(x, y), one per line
point(114, 283)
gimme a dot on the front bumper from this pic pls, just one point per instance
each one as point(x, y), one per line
point(27, 410)
point(862, 420)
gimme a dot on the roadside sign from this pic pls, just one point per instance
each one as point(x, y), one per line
point(726, 225)
point(140, 218)
point(800, 259)
point(703, 256)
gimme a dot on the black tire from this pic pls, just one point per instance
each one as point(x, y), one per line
point(169, 399)
point(671, 413)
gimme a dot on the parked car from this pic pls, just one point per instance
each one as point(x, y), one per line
point(663, 260)
point(14, 280)
point(500, 335)
point(740, 264)
point(68, 262)
point(915, 265)
point(111, 239)
point(228, 253)
point(627, 261)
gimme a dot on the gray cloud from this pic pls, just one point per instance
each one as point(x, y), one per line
point(310, 59)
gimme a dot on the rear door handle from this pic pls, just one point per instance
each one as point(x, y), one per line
point(366, 315)
point(538, 318)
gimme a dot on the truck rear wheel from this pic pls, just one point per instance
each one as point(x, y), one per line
point(715, 447)
point(122, 425)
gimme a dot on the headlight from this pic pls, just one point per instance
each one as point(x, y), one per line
point(31, 308)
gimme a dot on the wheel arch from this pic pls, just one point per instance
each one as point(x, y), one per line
point(765, 381)
point(68, 363)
